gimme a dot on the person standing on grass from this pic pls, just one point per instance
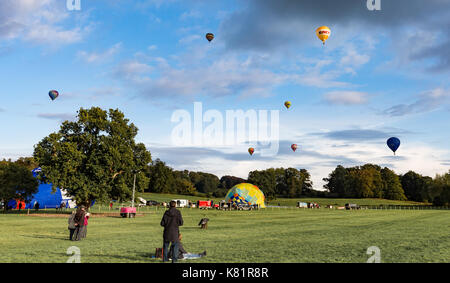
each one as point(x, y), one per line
point(171, 222)
point(79, 223)
point(84, 230)
point(72, 226)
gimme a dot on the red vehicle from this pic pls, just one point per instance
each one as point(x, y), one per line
point(205, 204)
point(129, 212)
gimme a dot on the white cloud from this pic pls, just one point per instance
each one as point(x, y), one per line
point(417, 157)
point(193, 14)
point(346, 97)
point(38, 21)
point(53, 35)
point(428, 101)
point(94, 57)
point(225, 76)
point(189, 39)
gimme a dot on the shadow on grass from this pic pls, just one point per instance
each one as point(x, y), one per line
point(47, 237)
point(141, 256)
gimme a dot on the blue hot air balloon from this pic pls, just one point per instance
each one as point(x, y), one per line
point(393, 143)
point(53, 94)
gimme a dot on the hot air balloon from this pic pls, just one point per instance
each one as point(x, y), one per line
point(323, 33)
point(287, 104)
point(393, 143)
point(245, 193)
point(294, 147)
point(53, 94)
point(209, 36)
point(251, 150)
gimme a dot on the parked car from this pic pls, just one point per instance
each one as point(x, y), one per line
point(141, 202)
point(181, 202)
point(302, 204)
point(128, 212)
point(244, 207)
point(350, 206)
point(152, 202)
point(204, 204)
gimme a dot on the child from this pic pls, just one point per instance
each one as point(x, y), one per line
point(84, 231)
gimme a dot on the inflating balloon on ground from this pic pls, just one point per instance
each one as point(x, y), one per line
point(247, 194)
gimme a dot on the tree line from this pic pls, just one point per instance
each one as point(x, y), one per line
point(372, 181)
point(273, 182)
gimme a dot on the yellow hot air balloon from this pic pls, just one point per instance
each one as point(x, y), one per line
point(323, 33)
point(245, 193)
point(287, 104)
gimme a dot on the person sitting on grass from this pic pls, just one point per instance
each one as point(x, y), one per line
point(183, 254)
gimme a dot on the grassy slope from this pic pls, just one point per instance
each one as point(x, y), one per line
point(270, 235)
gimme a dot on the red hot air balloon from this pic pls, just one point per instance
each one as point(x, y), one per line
point(294, 147)
point(251, 150)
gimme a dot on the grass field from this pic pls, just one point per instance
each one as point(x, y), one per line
point(268, 235)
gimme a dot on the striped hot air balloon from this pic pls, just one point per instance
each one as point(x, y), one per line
point(209, 36)
point(53, 94)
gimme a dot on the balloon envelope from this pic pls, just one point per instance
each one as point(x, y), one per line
point(53, 94)
point(287, 104)
point(323, 33)
point(251, 150)
point(294, 147)
point(245, 193)
point(209, 36)
point(393, 143)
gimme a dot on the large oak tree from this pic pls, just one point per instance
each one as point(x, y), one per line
point(95, 157)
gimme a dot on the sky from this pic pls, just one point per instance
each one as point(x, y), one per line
point(381, 73)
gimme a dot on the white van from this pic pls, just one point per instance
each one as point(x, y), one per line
point(141, 202)
point(181, 202)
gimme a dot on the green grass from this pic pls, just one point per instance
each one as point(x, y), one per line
point(268, 235)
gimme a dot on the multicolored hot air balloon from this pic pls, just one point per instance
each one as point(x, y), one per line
point(393, 143)
point(53, 94)
point(209, 36)
point(323, 33)
point(294, 147)
point(245, 193)
point(287, 104)
point(251, 150)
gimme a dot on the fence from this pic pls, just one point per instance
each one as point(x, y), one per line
point(405, 207)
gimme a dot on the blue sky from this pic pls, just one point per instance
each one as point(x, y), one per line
point(380, 74)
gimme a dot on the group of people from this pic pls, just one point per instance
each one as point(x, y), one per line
point(171, 221)
point(313, 205)
point(78, 222)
